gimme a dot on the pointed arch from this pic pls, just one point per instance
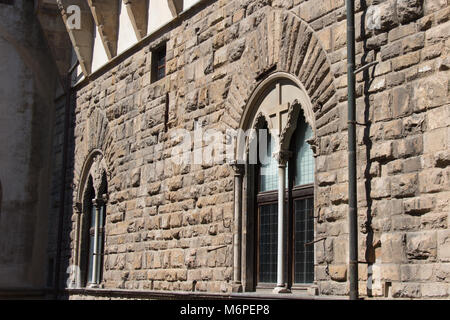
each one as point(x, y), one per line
point(252, 112)
point(90, 214)
point(287, 48)
point(94, 167)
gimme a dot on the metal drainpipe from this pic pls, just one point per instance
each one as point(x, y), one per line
point(352, 214)
point(67, 119)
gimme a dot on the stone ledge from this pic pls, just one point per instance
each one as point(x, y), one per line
point(153, 294)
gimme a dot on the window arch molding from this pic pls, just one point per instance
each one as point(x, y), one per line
point(95, 166)
point(253, 112)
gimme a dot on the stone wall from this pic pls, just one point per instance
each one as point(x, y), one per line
point(28, 82)
point(169, 227)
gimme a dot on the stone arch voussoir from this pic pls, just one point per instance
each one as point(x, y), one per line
point(92, 152)
point(282, 42)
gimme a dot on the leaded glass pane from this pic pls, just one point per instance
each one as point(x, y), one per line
point(91, 259)
point(268, 243)
point(304, 160)
point(304, 233)
point(100, 244)
point(91, 246)
point(269, 167)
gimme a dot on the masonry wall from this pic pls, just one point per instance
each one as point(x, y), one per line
point(28, 82)
point(169, 227)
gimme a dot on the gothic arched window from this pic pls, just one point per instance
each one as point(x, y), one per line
point(91, 227)
point(299, 231)
point(278, 189)
point(96, 211)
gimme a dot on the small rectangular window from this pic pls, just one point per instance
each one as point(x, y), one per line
point(159, 63)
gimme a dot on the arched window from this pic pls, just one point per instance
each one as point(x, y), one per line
point(278, 206)
point(299, 231)
point(92, 226)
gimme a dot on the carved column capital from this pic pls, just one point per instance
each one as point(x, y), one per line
point(238, 168)
point(282, 157)
point(98, 202)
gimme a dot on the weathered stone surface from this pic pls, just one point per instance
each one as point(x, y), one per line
point(236, 50)
point(174, 224)
point(404, 185)
point(421, 246)
point(393, 247)
point(417, 272)
point(380, 187)
point(382, 151)
point(390, 272)
point(435, 290)
point(338, 272)
point(382, 16)
point(408, 10)
point(444, 245)
point(406, 290)
point(418, 206)
point(401, 101)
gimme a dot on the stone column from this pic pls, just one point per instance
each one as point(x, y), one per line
point(75, 276)
point(98, 204)
point(237, 239)
point(282, 158)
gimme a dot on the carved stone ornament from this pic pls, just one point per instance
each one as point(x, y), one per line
point(291, 124)
point(282, 156)
point(97, 172)
point(314, 143)
point(239, 168)
point(77, 207)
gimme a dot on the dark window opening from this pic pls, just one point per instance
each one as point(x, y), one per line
point(93, 239)
point(10, 2)
point(50, 272)
point(159, 63)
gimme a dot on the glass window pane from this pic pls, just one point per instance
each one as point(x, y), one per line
point(92, 208)
point(269, 167)
point(91, 260)
point(268, 243)
point(304, 233)
point(304, 161)
point(91, 246)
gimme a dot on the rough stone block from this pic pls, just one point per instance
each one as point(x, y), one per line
point(444, 245)
point(409, 10)
point(421, 245)
point(380, 187)
point(435, 289)
point(404, 185)
point(393, 247)
point(390, 272)
point(417, 272)
point(418, 205)
point(382, 16)
point(401, 101)
point(382, 151)
point(406, 290)
point(338, 272)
